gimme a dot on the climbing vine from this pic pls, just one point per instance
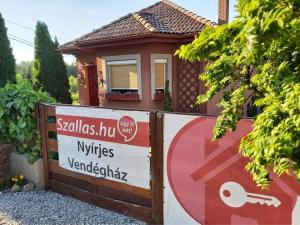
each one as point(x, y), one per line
point(257, 53)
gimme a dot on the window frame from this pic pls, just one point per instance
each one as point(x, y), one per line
point(108, 60)
point(167, 75)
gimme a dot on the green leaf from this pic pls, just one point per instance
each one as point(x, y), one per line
point(258, 53)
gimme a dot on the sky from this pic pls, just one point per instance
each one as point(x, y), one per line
point(69, 19)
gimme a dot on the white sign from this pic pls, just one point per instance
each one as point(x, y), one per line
point(205, 181)
point(105, 143)
point(174, 214)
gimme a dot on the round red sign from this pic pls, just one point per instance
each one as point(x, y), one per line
point(209, 181)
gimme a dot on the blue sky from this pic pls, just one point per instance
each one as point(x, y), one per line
point(69, 19)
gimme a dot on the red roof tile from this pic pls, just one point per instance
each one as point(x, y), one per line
point(163, 17)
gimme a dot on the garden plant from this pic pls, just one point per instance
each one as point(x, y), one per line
point(258, 52)
point(18, 127)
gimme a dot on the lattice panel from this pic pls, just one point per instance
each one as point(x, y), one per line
point(188, 86)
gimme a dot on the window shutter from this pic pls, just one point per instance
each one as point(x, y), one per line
point(160, 75)
point(123, 76)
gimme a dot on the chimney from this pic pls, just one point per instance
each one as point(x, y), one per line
point(223, 11)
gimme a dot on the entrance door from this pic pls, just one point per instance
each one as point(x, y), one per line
point(93, 85)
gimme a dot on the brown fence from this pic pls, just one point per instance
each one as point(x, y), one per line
point(146, 205)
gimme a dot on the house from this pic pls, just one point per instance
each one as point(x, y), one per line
point(127, 62)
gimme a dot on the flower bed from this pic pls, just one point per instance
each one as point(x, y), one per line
point(159, 97)
point(122, 97)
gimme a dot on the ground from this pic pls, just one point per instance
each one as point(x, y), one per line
point(45, 208)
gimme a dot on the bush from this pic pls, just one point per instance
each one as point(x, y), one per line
point(17, 120)
point(5, 151)
point(168, 98)
point(74, 90)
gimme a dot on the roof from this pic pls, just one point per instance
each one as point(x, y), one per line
point(163, 18)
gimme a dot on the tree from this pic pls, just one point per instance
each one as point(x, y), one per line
point(71, 70)
point(7, 60)
point(258, 52)
point(23, 70)
point(63, 95)
point(74, 90)
point(49, 71)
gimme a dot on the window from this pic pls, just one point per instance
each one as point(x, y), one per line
point(160, 75)
point(123, 74)
point(161, 71)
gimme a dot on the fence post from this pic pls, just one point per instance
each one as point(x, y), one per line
point(42, 121)
point(156, 131)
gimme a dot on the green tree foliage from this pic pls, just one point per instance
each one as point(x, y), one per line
point(260, 52)
point(61, 75)
point(49, 71)
point(74, 90)
point(168, 98)
point(71, 70)
point(17, 120)
point(23, 70)
point(7, 60)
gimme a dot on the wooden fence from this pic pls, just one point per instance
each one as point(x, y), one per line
point(146, 205)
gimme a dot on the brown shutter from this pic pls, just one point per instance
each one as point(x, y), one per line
point(123, 76)
point(160, 75)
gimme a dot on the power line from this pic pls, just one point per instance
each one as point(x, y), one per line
point(29, 28)
point(14, 36)
point(19, 25)
point(14, 39)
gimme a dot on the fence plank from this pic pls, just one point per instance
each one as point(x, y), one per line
point(136, 211)
point(79, 183)
point(51, 127)
point(109, 192)
point(49, 111)
point(54, 167)
point(43, 134)
point(156, 123)
point(51, 144)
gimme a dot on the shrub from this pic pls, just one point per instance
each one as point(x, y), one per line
point(168, 98)
point(5, 151)
point(17, 118)
point(74, 90)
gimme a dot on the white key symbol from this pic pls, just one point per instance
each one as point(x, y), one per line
point(235, 196)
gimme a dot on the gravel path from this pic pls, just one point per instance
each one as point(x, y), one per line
point(47, 208)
